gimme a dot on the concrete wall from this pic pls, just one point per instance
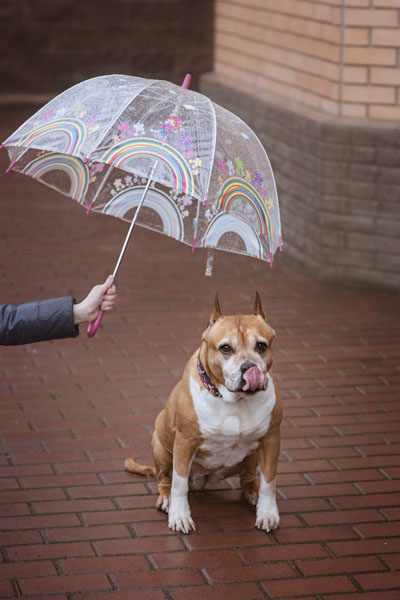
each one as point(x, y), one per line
point(338, 183)
point(340, 56)
point(48, 45)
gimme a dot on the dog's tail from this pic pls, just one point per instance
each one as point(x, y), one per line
point(134, 467)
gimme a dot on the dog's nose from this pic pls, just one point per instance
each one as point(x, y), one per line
point(246, 365)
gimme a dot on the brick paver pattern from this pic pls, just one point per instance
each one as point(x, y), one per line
point(75, 526)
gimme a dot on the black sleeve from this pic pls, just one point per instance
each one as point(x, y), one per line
point(37, 321)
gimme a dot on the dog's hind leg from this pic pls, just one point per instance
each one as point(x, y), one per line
point(164, 493)
point(163, 468)
point(248, 478)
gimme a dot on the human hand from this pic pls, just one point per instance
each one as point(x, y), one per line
point(100, 297)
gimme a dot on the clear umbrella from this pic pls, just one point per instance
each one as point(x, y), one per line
point(159, 155)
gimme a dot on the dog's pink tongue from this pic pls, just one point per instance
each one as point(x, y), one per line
point(254, 379)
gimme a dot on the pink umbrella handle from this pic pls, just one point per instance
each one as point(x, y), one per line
point(94, 325)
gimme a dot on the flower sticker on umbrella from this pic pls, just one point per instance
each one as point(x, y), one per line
point(171, 124)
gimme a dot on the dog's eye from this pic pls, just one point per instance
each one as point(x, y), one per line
point(261, 347)
point(225, 349)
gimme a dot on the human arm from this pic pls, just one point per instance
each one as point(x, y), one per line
point(37, 321)
point(54, 318)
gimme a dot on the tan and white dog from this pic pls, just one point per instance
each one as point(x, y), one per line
point(221, 419)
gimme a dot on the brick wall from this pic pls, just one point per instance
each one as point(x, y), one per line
point(48, 45)
point(338, 184)
point(339, 56)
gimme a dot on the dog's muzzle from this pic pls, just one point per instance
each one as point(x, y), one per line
point(253, 377)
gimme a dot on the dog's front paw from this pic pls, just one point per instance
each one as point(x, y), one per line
point(183, 523)
point(179, 517)
point(267, 521)
point(267, 516)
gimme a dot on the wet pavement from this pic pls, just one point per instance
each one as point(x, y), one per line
point(75, 526)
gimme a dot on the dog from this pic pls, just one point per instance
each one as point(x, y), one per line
point(221, 419)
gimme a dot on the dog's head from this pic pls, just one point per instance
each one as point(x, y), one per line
point(238, 348)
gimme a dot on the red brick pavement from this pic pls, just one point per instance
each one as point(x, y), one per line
point(74, 525)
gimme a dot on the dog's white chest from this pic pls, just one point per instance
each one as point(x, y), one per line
point(230, 428)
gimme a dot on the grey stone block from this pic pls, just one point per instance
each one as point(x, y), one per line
point(389, 175)
point(388, 262)
point(372, 243)
point(307, 161)
point(388, 157)
point(340, 152)
point(335, 169)
point(363, 154)
point(364, 172)
point(348, 258)
point(331, 202)
point(390, 227)
point(364, 136)
point(388, 196)
point(390, 137)
point(346, 222)
point(359, 189)
point(361, 205)
point(373, 277)
point(335, 131)
point(335, 187)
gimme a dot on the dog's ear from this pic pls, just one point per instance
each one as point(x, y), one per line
point(257, 307)
point(217, 314)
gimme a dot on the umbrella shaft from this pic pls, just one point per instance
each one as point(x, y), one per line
point(128, 235)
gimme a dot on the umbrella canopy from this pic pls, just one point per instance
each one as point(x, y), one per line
point(206, 176)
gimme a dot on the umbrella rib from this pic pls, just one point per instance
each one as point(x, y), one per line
point(214, 144)
point(99, 189)
point(14, 162)
point(209, 177)
point(271, 244)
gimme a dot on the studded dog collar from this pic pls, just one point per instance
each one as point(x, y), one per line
point(206, 380)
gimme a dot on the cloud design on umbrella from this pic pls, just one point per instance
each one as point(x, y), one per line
point(157, 201)
point(228, 223)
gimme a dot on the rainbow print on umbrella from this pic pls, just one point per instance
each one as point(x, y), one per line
point(73, 167)
point(72, 133)
point(235, 189)
point(228, 223)
point(123, 153)
point(156, 200)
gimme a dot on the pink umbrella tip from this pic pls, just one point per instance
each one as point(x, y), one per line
point(186, 81)
point(11, 166)
point(85, 162)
